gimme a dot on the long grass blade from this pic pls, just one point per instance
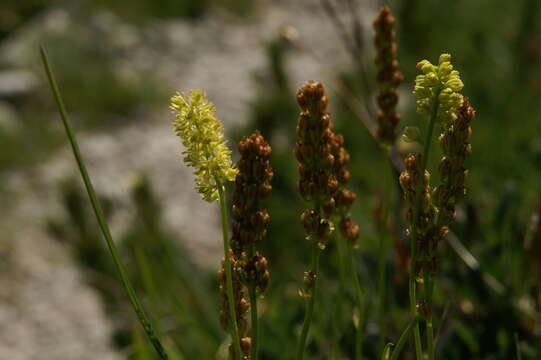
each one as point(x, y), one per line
point(141, 315)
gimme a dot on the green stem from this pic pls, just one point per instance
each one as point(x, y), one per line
point(136, 305)
point(417, 209)
point(404, 338)
point(253, 309)
point(386, 354)
point(381, 290)
point(413, 309)
point(311, 301)
point(383, 250)
point(517, 346)
point(228, 276)
point(360, 303)
point(430, 338)
point(429, 326)
point(339, 302)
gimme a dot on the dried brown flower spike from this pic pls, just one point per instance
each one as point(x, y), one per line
point(313, 151)
point(317, 184)
point(250, 221)
point(388, 77)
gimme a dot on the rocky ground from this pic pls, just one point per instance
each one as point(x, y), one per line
point(46, 310)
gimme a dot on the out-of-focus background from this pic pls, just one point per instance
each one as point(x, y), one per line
point(117, 64)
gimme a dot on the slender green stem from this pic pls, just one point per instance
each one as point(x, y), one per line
point(430, 338)
point(428, 319)
point(253, 309)
point(517, 345)
point(416, 211)
point(404, 338)
point(383, 246)
point(381, 289)
point(341, 295)
point(386, 353)
point(360, 303)
point(311, 301)
point(139, 311)
point(228, 276)
point(255, 323)
point(413, 309)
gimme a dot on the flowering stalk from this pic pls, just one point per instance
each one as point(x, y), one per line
point(233, 301)
point(317, 184)
point(437, 90)
point(388, 78)
point(207, 152)
point(250, 221)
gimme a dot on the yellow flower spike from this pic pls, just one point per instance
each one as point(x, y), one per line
point(441, 82)
point(201, 134)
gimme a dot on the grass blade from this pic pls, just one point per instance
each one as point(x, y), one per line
point(141, 315)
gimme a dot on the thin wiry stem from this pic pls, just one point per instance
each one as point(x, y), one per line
point(384, 234)
point(139, 311)
point(404, 338)
point(337, 318)
point(311, 301)
point(228, 276)
point(360, 303)
point(413, 234)
point(253, 309)
point(428, 285)
point(517, 345)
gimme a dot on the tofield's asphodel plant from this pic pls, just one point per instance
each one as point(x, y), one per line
point(206, 151)
point(430, 211)
point(250, 221)
point(388, 78)
point(317, 185)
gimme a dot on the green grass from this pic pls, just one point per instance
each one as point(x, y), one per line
point(141, 315)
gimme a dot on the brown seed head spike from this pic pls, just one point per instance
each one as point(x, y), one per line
point(249, 225)
point(313, 148)
point(388, 75)
point(252, 184)
point(250, 219)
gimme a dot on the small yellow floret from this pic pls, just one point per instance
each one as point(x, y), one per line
point(438, 82)
point(202, 136)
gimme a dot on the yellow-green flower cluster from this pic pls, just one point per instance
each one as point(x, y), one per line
point(438, 82)
point(202, 136)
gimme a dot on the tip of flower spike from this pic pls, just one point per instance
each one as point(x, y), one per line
point(441, 81)
point(311, 92)
point(444, 58)
point(425, 66)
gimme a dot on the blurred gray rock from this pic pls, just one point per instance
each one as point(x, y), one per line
point(15, 83)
